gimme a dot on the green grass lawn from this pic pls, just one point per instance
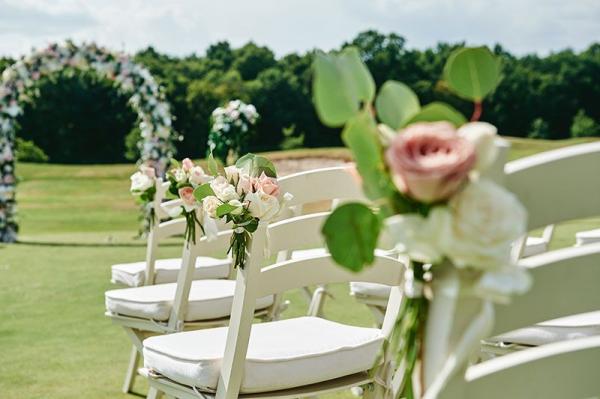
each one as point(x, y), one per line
point(76, 221)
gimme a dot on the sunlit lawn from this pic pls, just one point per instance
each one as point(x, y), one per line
point(76, 221)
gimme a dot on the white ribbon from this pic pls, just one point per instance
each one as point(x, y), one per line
point(455, 326)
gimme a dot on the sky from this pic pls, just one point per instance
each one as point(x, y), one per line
point(183, 27)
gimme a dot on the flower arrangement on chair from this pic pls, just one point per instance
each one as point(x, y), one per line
point(231, 129)
point(424, 170)
point(244, 195)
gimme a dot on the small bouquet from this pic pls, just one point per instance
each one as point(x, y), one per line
point(424, 168)
point(143, 186)
point(243, 195)
point(231, 129)
point(184, 179)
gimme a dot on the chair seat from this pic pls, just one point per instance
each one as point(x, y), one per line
point(166, 270)
point(534, 246)
point(281, 354)
point(587, 237)
point(379, 291)
point(565, 328)
point(208, 299)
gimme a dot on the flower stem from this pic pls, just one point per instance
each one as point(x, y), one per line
point(477, 111)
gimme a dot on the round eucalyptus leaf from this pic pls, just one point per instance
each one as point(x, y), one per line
point(351, 233)
point(396, 103)
point(472, 73)
point(438, 111)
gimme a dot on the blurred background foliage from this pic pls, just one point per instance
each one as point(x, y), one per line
point(80, 118)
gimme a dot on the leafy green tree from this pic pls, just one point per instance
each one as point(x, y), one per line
point(539, 129)
point(584, 126)
point(251, 59)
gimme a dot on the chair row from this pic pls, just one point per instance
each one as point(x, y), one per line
point(310, 356)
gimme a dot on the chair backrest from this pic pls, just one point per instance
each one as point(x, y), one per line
point(333, 184)
point(254, 282)
point(557, 185)
point(567, 369)
point(564, 283)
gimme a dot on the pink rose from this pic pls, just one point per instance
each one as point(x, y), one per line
point(267, 184)
point(245, 184)
point(429, 161)
point(187, 196)
point(187, 164)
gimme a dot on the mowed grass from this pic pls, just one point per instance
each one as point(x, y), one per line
point(76, 221)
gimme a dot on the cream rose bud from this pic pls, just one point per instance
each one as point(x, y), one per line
point(233, 174)
point(483, 136)
point(140, 182)
point(262, 205)
point(223, 190)
point(238, 205)
point(486, 219)
point(187, 164)
point(198, 177)
point(210, 204)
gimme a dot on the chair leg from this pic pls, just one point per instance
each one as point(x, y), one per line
point(154, 393)
point(134, 360)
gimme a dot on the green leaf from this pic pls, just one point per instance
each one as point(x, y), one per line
point(396, 103)
point(356, 74)
point(203, 191)
point(351, 233)
point(254, 165)
point(361, 136)
point(224, 209)
point(341, 82)
point(472, 73)
point(438, 111)
point(213, 168)
point(333, 102)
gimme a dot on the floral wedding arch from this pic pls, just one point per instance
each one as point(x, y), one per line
point(18, 84)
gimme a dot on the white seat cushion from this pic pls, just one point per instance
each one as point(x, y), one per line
point(534, 246)
point(565, 328)
point(166, 270)
point(209, 299)
point(370, 289)
point(281, 354)
point(587, 237)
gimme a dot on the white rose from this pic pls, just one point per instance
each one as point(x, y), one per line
point(223, 190)
point(210, 204)
point(140, 183)
point(483, 136)
point(198, 177)
point(233, 174)
point(262, 205)
point(421, 237)
point(486, 219)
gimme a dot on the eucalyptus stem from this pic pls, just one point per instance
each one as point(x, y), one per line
point(409, 334)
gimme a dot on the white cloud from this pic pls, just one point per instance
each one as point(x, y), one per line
point(186, 26)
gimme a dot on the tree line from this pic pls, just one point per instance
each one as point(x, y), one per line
point(81, 118)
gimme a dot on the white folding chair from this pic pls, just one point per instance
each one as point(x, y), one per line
point(554, 186)
point(165, 308)
point(161, 271)
point(292, 358)
point(565, 283)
